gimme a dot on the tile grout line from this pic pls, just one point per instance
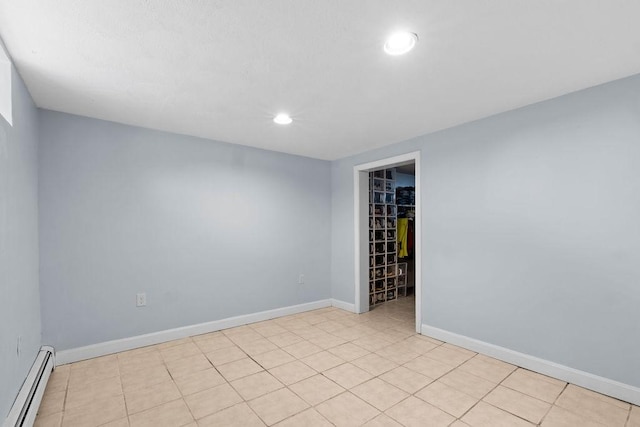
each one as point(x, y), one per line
point(554, 402)
point(479, 400)
point(124, 399)
point(550, 405)
point(182, 397)
point(245, 401)
point(64, 402)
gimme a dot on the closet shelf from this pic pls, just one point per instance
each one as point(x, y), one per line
point(384, 279)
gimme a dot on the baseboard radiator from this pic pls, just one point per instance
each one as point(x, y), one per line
point(24, 409)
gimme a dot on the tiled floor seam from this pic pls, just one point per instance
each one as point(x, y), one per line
point(126, 409)
point(64, 405)
point(245, 401)
point(182, 396)
point(545, 414)
point(479, 400)
point(554, 402)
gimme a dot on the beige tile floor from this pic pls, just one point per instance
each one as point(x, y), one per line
point(320, 368)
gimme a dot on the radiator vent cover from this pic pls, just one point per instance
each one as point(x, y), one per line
point(25, 408)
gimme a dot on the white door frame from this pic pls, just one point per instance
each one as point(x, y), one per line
point(359, 172)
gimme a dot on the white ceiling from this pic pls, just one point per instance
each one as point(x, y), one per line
point(222, 69)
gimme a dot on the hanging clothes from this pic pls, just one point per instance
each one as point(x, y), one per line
point(402, 234)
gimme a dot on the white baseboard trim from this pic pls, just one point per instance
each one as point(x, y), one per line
point(343, 305)
point(115, 346)
point(612, 388)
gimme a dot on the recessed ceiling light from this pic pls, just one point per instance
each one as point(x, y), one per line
point(400, 42)
point(282, 119)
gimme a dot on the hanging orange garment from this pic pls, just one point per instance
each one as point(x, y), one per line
point(402, 232)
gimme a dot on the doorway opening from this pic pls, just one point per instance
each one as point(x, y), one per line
point(387, 235)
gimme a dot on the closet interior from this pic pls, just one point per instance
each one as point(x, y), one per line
point(391, 233)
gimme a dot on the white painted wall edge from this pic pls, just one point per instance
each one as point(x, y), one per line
point(603, 385)
point(343, 305)
point(115, 346)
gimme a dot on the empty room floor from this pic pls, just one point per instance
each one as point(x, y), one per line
point(320, 368)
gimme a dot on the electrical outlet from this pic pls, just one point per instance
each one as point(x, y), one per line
point(301, 279)
point(141, 299)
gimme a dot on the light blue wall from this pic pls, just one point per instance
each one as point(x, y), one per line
point(531, 229)
point(19, 291)
point(208, 230)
